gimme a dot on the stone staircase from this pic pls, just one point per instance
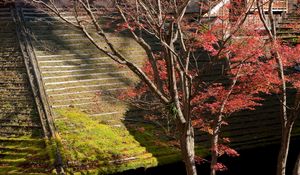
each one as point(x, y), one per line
point(289, 29)
point(74, 72)
point(78, 77)
point(22, 145)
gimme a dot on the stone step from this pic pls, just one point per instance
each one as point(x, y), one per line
point(22, 98)
point(53, 18)
point(20, 115)
point(52, 37)
point(5, 81)
point(70, 56)
point(87, 96)
point(34, 22)
point(288, 27)
point(15, 99)
point(144, 160)
point(15, 93)
point(8, 46)
point(25, 112)
point(20, 133)
point(8, 35)
point(90, 92)
point(88, 45)
point(83, 75)
point(10, 55)
point(82, 64)
point(268, 115)
point(7, 24)
point(19, 121)
point(9, 49)
point(16, 149)
point(55, 32)
point(25, 142)
point(14, 81)
point(12, 170)
point(9, 77)
point(49, 73)
point(12, 155)
point(10, 59)
point(10, 88)
point(60, 37)
point(79, 52)
point(82, 105)
point(6, 18)
point(12, 162)
point(256, 141)
point(88, 66)
point(79, 104)
point(85, 87)
point(252, 125)
point(11, 66)
point(17, 74)
point(85, 51)
point(17, 106)
point(35, 13)
point(4, 9)
point(256, 136)
point(74, 60)
point(290, 21)
point(291, 36)
point(6, 12)
point(87, 99)
point(291, 31)
point(88, 78)
point(69, 83)
point(245, 136)
point(96, 108)
point(8, 40)
point(77, 61)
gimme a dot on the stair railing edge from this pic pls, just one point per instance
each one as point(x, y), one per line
point(31, 81)
point(41, 99)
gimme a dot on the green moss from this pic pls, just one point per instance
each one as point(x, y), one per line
point(164, 148)
point(88, 144)
point(51, 147)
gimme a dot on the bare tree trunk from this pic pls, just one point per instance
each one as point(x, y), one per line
point(297, 166)
point(214, 153)
point(284, 148)
point(286, 121)
point(296, 114)
point(217, 128)
point(188, 148)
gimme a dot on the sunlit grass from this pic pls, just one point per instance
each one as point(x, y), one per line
point(89, 144)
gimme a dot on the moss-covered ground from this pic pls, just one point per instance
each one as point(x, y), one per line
point(90, 147)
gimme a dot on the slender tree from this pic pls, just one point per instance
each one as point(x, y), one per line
point(284, 57)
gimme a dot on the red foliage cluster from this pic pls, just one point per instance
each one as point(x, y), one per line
point(220, 167)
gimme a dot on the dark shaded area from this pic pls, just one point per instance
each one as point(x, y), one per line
point(258, 161)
